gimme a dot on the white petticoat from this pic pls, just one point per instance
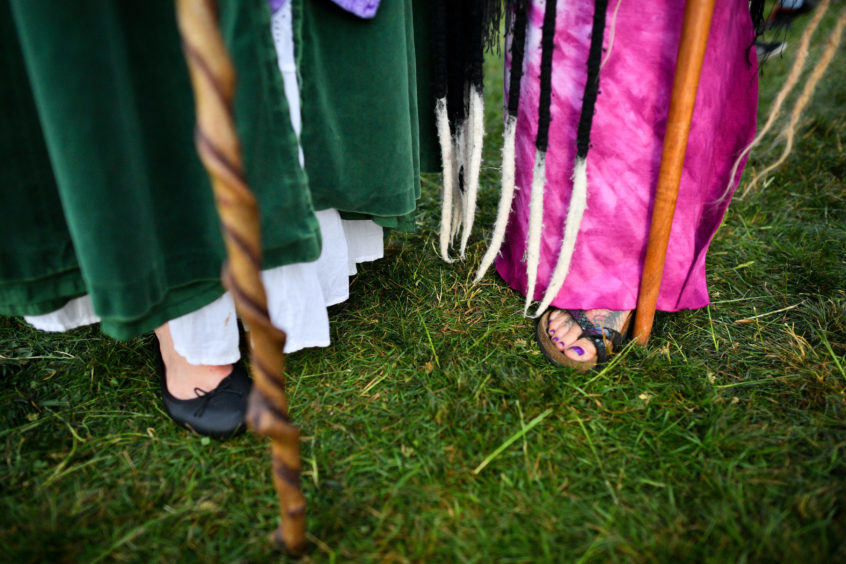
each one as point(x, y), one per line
point(297, 294)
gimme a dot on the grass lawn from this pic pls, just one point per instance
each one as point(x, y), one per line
point(723, 440)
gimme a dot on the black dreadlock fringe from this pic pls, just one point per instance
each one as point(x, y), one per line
point(592, 84)
point(459, 39)
point(456, 24)
point(460, 36)
point(439, 49)
point(541, 142)
point(492, 11)
point(518, 50)
point(475, 48)
point(547, 45)
point(756, 8)
point(513, 7)
point(578, 197)
point(517, 14)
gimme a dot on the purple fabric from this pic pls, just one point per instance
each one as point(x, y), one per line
point(361, 8)
point(626, 143)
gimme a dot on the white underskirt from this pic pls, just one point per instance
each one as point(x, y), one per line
point(297, 294)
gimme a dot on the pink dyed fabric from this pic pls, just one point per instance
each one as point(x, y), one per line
point(626, 141)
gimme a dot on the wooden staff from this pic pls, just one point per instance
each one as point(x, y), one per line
point(213, 81)
point(694, 39)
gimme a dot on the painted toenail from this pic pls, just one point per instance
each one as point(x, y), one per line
point(555, 339)
point(578, 350)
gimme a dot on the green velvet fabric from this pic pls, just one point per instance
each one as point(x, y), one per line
point(430, 150)
point(360, 110)
point(101, 190)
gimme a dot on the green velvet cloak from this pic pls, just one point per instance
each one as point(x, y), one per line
point(101, 190)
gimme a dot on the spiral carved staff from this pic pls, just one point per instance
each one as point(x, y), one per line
point(213, 81)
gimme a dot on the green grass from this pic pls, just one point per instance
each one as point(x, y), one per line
point(723, 440)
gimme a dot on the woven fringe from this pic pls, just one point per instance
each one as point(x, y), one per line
point(575, 213)
point(535, 227)
point(505, 198)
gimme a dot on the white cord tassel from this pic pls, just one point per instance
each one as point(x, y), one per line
point(535, 227)
point(578, 205)
point(505, 198)
point(475, 139)
point(448, 164)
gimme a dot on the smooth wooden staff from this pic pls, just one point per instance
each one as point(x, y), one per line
point(213, 81)
point(694, 39)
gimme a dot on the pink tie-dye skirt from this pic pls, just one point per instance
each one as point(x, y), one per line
point(640, 48)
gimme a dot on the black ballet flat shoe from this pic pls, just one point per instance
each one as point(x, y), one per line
point(218, 413)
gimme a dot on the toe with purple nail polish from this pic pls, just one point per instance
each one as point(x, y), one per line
point(578, 350)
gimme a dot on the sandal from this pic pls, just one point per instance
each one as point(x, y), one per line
point(605, 339)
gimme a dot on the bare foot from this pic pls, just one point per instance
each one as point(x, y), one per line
point(184, 380)
point(565, 331)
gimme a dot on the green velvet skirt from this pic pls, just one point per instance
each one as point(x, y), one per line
point(362, 117)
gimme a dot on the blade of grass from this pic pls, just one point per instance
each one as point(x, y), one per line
point(598, 460)
point(516, 436)
point(429, 338)
point(750, 319)
point(831, 352)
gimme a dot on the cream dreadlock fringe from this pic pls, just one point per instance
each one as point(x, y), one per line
point(804, 98)
point(535, 226)
point(460, 168)
point(448, 163)
point(575, 213)
point(789, 84)
point(457, 206)
point(505, 198)
point(475, 138)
